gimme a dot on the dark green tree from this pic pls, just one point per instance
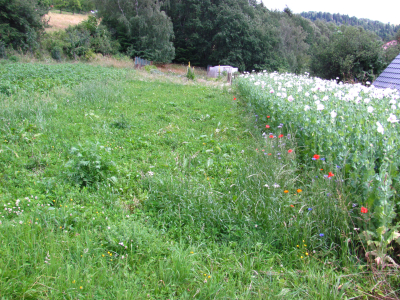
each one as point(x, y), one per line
point(351, 54)
point(20, 22)
point(61, 4)
point(75, 5)
point(142, 28)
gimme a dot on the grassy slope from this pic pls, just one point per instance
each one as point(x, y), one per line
point(62, 21)
point(188, 217)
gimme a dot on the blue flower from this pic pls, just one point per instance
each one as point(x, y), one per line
point(310, 209)
point(321, 234)
point(328, 194)
point(338, 167)
point(323, 158)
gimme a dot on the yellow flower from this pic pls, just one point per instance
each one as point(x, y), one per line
point(297, 246)
point(103, 255)
point(301, 256)
point(191, 252)
point(286, 191)
point(305, 245)
point(209, 276)
point(299, 190)
point(81, 287)
point(73, 281)
point(306, 253)
point(205, 274)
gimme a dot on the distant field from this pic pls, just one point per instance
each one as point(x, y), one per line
point(62, 21)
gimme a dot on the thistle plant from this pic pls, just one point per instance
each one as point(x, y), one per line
point(88, 165)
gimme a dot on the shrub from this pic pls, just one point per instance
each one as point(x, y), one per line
point(148, 68)
point(190, 74)
point(2, 50)
point(89, 165)
point(56, 53)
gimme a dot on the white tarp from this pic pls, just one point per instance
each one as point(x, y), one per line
point(218, 70)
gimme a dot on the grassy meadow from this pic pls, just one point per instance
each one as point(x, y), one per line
point(121, 184)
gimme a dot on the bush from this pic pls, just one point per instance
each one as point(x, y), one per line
point(2, 50)
point(148, 68)
point(89, 165)
point(190, 74)
point(56, 53)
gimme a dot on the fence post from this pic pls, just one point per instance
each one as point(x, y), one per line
point(230, 78)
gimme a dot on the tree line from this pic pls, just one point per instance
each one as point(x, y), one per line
point(384, 31)
point(241, 33)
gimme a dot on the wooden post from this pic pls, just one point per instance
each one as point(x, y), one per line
point(230, 78)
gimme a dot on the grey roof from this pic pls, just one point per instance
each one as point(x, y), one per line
point(390, 77)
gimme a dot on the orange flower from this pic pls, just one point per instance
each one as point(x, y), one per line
point(299, 190)
point(291, 205)
point(286, 191)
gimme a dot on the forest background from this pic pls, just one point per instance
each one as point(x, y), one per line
point(241, 33)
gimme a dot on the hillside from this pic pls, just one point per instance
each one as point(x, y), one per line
point(57, 21)
point(385, 31)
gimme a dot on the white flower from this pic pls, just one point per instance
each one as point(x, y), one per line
point(320, 107)
point(20, 222)
point(276, 185)
point(380, 127)
point(392, 101)
point(325, 98)
point(306, 107)
point(367, 100)
point(307, 94)
point(368, 83)
point(271, 91)
point(266, 185)
point(392, 118)
point(393, 107)
point(290, 98)
point(370, 109)
point(333, 114)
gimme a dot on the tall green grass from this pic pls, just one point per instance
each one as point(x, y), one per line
point(186, 209)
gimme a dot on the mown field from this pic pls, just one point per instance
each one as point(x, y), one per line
point(118, 184)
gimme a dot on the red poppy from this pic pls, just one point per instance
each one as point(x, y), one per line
point(291, 205)
point(364, 210)
point(268, 117)
point(271, 136)
point(290, 151)
point(269, 153)
point(266, 126)
point(330, 174)
point(234, 98)
point(316, 156)
point(280, 136)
